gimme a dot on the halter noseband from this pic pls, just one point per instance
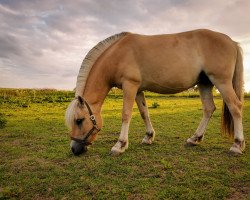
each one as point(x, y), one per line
point(95, 127)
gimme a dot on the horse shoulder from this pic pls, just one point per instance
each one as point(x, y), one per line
point(121, 62)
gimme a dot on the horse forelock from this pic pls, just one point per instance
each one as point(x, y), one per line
point(70, 113)
point(90, 60)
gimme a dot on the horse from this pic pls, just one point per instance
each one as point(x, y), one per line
point(165, 64)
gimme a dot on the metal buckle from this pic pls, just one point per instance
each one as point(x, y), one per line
point(92, 117)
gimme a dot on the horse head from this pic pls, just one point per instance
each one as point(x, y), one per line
point(82, 122)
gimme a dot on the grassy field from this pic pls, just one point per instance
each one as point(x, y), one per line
point(36, 162)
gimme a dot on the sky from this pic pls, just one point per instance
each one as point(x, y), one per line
point(42, 43)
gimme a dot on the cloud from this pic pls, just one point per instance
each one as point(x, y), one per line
point(9, 46)
point(42, 43)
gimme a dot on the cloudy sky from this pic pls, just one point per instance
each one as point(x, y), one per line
point(42, 43)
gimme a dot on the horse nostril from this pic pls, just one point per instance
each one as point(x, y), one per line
point(78, 149)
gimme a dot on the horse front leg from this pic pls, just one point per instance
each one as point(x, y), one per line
point(142, 105)
point(129, 92)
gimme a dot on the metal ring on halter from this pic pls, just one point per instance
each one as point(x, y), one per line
point(92, 117)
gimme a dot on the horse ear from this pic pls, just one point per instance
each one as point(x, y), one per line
point(80, 99)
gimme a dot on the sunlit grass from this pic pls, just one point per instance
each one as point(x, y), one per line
point(36, 162)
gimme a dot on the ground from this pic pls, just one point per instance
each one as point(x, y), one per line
point(36, 161)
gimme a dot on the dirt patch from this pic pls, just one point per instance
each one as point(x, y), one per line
point(240, 191)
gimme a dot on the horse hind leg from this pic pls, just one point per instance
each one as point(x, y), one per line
point(235, 108)
point(208, 109)
point(142, 105)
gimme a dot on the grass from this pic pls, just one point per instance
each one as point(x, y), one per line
point(36, 162)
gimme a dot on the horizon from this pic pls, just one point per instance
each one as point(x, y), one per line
point(73, 90)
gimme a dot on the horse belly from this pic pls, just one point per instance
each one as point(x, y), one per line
point(170, 79)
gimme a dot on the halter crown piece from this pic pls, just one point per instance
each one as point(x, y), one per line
point(95, 127)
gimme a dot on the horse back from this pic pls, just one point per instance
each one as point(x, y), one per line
point(170, 63)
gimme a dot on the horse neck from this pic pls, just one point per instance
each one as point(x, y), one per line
point(96, 89)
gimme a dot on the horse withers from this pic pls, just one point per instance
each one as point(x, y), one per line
point(164, 64)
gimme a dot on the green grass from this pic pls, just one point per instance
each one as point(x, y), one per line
point(36, 162)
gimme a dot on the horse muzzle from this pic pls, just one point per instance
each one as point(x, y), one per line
point(77, 148)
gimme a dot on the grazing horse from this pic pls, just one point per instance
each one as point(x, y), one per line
point(164, 64)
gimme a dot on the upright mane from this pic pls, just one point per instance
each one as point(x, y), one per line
point(90, 60)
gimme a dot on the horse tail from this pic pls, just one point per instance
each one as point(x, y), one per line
point(227, 120)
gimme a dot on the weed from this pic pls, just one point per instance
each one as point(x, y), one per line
point(155, 105)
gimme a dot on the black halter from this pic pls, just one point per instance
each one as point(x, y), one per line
point(95, 127)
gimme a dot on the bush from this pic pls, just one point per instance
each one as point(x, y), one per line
point(3, 121)
point(155, 105)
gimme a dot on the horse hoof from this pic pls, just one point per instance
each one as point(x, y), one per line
point(145, 140)
point(235, 151)
point(190, 142)
point(116, 152)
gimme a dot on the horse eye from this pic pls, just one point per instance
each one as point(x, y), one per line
point(79, 121)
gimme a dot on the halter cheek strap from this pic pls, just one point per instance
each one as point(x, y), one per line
point(95, 127)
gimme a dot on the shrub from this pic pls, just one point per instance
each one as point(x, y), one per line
point(3, 121)
point(155, 105)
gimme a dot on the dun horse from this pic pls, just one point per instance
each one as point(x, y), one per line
point(163, 64)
